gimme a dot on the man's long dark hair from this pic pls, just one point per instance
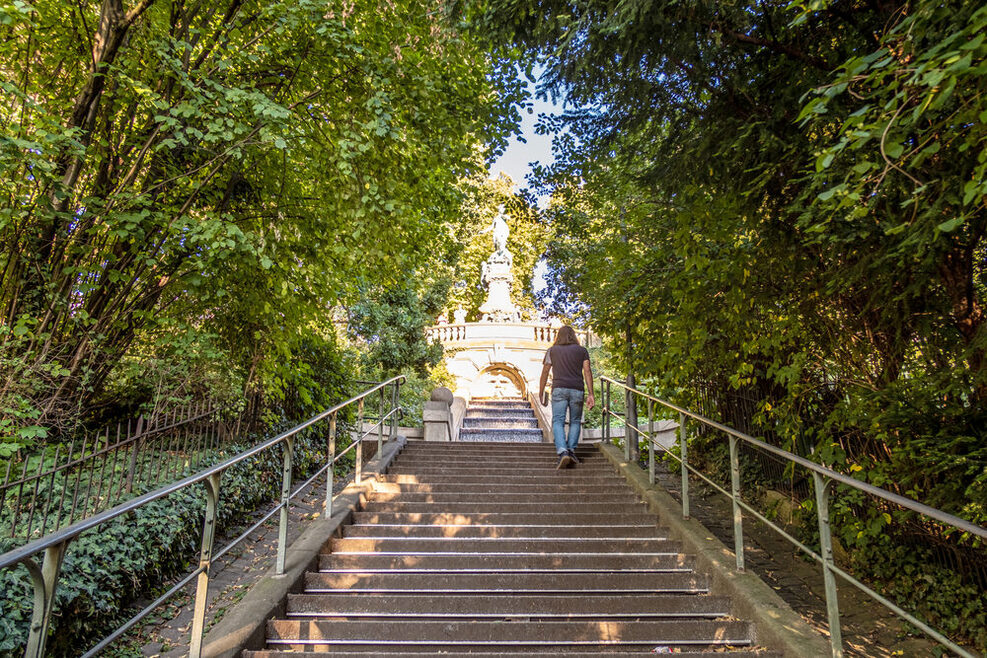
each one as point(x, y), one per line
point(566, 336)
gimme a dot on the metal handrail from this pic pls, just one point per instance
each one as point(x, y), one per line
point(822, 478)
point(54, 546)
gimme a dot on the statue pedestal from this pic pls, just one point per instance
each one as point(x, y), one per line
point(497, 276)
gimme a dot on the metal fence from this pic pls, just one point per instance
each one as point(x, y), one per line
point(42, 492)
point(738, 408)
point(54, 546)
point(823, 480)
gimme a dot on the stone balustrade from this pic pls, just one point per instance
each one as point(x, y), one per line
point(484, 331)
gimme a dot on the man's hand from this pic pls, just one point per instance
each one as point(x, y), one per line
point(588, 378)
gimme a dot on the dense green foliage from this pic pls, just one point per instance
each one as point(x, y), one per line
point(392, 326)
point(189, 193)
point(186, 189)
point(788, 200)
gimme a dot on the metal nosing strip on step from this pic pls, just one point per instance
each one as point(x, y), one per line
point(502, 592)
point(502, 539)
point(514, 643)
point(544, 570)
point(500, 525)
point(447, 553)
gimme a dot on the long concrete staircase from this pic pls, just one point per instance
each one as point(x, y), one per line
point(487, 549)
point(500, 419)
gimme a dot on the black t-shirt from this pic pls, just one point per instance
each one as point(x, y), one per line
point(567, 365)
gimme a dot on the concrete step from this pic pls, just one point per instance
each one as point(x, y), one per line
point(465, 509)
point(507, 518)
point(500, 408)
point(583, 652)
point(517, 436)
point(503, 532)
point(533, 606)
point(492, 497)
point(571, 489)
point(495, 470)
point(499, 398)
point(548, 458)
point(449, 449)
point(306, 635)
point(498, 425)
point(489, 584)
point(493, 431)
point(499, 413)
point(637, 567)
point(414, 446)
point(480, 437)
point(505, 546)
point(566, 476)
point(491, 473)
point(498, 404)
point(470, 421)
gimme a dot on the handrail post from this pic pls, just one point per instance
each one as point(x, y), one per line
point(45, 580)
point(205, 562)
point(829, 579)
point(330, 472)
point(684, 454)
point(395, 401)
point(605, 393)
point(651, 441)
point(132, 464)
point(738, 517)
point(628, 432)
point(380, 424)
point(358, 469)
point(285, 502)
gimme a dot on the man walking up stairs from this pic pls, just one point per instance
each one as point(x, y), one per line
point(572, 377)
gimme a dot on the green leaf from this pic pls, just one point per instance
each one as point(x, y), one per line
point(951, 225)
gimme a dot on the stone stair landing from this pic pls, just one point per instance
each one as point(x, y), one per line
point(500, 420)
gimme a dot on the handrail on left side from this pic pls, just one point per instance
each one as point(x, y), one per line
point(55, 545)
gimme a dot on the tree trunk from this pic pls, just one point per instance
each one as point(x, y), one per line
point(957, 273)
point(630, 415)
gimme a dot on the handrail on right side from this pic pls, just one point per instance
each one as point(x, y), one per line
point(822, 478)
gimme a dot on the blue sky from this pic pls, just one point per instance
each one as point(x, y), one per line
point(516, 158)
point(514, 161)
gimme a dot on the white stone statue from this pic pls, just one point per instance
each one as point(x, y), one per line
point(497, 276)
point(501, 232)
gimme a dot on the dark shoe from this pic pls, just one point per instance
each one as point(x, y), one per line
point(565, 461)
point(573, 457)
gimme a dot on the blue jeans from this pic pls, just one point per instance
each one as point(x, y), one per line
point(562, 399)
